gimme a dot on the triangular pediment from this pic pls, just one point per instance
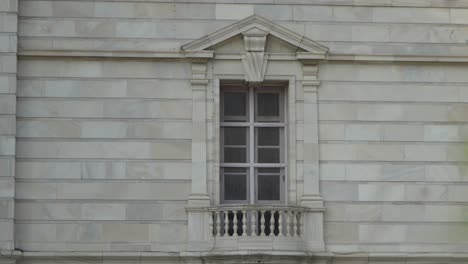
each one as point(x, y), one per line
point(253, 25)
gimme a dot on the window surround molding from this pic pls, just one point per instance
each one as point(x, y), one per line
point(255, 64)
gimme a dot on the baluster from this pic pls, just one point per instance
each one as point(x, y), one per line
point(211, 223)
point(301, 224)
point(280, 223)
point(244, 223)
point(296, 222)
point(262, 223)
point(234, 222)
point(253, 231)
point(272, 223)
point(218, 223)
point(226, 223)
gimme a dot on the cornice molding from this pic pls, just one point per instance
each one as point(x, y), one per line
point(226, 56)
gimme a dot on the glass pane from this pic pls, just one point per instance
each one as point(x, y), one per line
point(268, 136)
point(235, 155)
point(236, 136)
point(268, 170)
point(268, 104)
point(268, 187)
point(235, 105)
point(235, 187)
point(268, 155)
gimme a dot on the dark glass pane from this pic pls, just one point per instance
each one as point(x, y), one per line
point(235, 103)
point(268, 187)
point(235, 136)
point(268, 136)
point(268, 155)
point(269, 170)
point(235, 155)
point(235, 170)
point(268, 104)
point(235, 187)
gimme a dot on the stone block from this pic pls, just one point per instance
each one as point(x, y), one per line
point(425, 152)
point(352, 14)
point(450, 173)
point(406, 132)
point(168, 232)
point(7, 84)
point(363, 132)
point(46, 28)
point(332, 172)
point(398, 172)
point(48, 170)
point(194, 11)
point(341, 232)
point(381, 192)
point(125, 232)
point(96, 28)
point(9, 22)
point(123, 191)
point(373, 33)
point(104, 149)
point(128, 108)
point(103, 170)
point(155, 10)
point(30, 211)
point(72, 88)
point(158, 170)
point(312, 13)
point(363, 172)
point(331, 131)
point(457, 193)
point(233, 11)
point(26, 232)
point(412, 15)
point(8, 43)
point(444, 133)
point(369, 233)
point(156, 212)
point(36, 190)
point(7, 145)
point(339, 191)
point(7, 165)
point(353, 212)
point(48, 129)
point(433, 193)
point(458, 16)
point(8, 63)
point(274, 12)
point(103, 211)
point(7, 187)
point(403, 212)
point(114, 9)
point(7, 209)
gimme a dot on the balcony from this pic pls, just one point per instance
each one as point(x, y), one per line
point(255, 228)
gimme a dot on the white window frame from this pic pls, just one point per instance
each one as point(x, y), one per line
point(252, 124)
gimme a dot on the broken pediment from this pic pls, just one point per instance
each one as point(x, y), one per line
point(254, 39)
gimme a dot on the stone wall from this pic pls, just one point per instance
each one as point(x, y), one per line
point(103, 144)
point(8, 37)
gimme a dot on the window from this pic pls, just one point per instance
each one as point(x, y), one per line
point(252, 144)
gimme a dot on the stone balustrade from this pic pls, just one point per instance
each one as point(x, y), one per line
point(256, 221)
point(255, 228)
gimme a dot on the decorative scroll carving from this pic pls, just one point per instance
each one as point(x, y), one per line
point(254, 59)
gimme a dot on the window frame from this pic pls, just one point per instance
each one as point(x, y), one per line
point(252, 124)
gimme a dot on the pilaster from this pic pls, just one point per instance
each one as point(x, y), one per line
point(199, 194)
point(311, 195)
